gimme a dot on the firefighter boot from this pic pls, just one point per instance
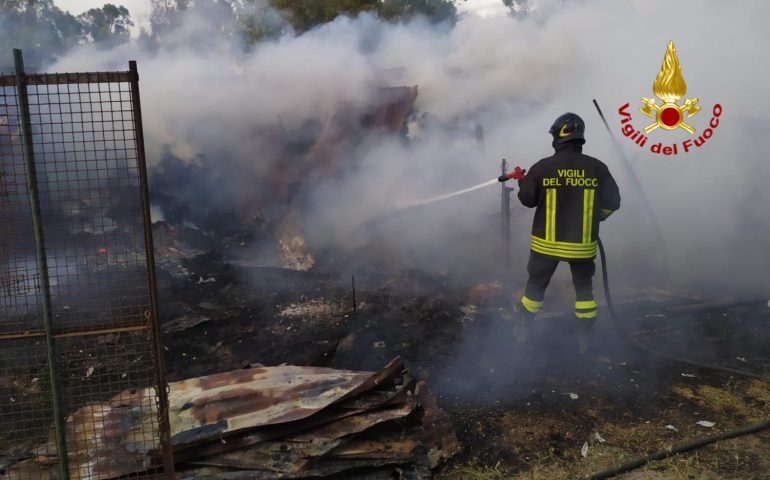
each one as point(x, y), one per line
point(585, 334)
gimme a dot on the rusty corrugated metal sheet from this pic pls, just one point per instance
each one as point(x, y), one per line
point(263, 434)
point(386, 111)
point(394, 447)
point(394, 366)
point(292, 422)
point(378, 397)
point(345, 127)
point(225, 403)
point(105, 439)
point(391, 109)
point(363, 398)
point(294, 453)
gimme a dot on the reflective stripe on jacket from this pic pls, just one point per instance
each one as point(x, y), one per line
point(572, 193)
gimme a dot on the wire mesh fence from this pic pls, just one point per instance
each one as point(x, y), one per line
point(81, 366)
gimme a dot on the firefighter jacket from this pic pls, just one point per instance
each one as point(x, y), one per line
point(573, 193)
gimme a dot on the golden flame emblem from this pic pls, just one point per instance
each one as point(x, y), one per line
point(669, 86)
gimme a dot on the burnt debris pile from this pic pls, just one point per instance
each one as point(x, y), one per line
point(263, 422)
point(262, 199)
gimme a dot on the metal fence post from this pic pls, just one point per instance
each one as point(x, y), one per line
point(164, 423)
point(42, 261)
point(505, 214)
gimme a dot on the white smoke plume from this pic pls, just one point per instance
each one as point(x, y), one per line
point(203, 96)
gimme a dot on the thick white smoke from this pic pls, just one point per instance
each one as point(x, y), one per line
point(201, 96)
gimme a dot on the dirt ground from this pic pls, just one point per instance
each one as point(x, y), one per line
point(536, 410)
point(533, 410)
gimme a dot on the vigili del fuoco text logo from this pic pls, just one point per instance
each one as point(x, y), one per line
point(669, 87)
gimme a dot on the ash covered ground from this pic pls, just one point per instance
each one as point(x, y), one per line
point(526, 409)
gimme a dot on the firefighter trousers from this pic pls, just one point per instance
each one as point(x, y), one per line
point(541, 269)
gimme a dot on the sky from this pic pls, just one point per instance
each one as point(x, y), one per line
point(136, 7)
point(140, 9)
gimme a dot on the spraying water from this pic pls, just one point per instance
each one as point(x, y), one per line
point(404, 208)
point(447, 196)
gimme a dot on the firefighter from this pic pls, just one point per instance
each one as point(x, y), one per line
point(572, 193)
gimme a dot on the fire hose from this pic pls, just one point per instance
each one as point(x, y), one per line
point(605, 280)
point(622, 328)
point(519, 173)
point(683, 448)
point(674, 450)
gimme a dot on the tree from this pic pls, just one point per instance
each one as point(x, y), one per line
point(436, 11)
point(517, 8)
point(220, 20)
point(257, 20)
point(108, 25)
point(252, 21)
point(38, 27)
point(44, 32)
point(166, 15)
point(306, 14)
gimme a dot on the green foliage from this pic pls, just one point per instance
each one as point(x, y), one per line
point(518, 8)
point(166, 15)
point(108, 25)
point(44, 32)
point(435, 10)
point(306, 14)
point(256, 20)
point(38, 27)
point(253, 21)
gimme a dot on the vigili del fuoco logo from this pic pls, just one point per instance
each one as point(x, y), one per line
point(669, 87)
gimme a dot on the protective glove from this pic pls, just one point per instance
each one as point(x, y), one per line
point(517, 174)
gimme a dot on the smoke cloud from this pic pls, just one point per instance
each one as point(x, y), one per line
point(207, 100)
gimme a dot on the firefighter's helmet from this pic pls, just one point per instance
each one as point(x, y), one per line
point(567, 128)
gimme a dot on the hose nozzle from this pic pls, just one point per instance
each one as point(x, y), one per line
point(517, 174)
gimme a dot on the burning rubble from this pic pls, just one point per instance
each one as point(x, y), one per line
point(274, 208)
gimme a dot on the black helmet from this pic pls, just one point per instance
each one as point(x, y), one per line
point(567, 128)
